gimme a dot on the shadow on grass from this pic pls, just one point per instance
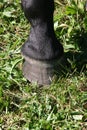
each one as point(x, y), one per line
point(78, 59)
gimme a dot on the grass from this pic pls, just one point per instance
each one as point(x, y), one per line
point(25, 106)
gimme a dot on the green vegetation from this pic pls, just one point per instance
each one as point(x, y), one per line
point(63, 105)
